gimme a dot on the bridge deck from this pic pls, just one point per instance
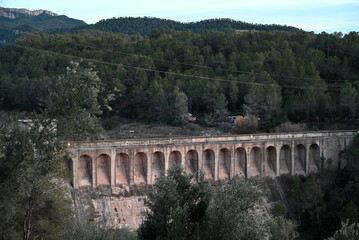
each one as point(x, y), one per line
point(182, 141)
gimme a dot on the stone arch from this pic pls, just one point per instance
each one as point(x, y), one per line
point(285, 159)
point(272, 161)
point(191, 162)
point(140, 174)
point(240, 162)
point(342, 160)
point(67, 164)
point(299, 159)
point(175, 158)
point(122, 169)
point(104, 170)
point(158, 165)
point(255, 160)
point(208, 164)
point(314, 157)
point(85, 171)
point(224, 164)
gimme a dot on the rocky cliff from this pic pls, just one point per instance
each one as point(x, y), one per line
point(13, 13)
point(121, 207)
point(15, 22)
point(116, 207)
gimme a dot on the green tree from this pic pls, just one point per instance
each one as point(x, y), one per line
point(32, 203)
point(347, 232)
point(218, 112)
point(264, 99)
point(177, 206)
point(232, 213)
point(30, 191)
point(181, 209)
point(348, 101)
point(177, 109)
point(282, 229)
point(157, 102)
point(80, 229)
point(72, 103)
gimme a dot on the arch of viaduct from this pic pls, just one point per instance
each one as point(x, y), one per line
point(128, 162)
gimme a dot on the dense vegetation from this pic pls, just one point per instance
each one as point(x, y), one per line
point(32, 200)
point(322, 202)
point(184, 208)
point(277, 76)
point(41, 22)
point(145, 25)
point(274, 75)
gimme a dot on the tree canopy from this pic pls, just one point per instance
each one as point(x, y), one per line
point(181, 209)
point(289, 70)
point(32, 157)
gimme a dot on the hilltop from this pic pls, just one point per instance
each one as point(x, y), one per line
point(14, 22)
point(145, 25)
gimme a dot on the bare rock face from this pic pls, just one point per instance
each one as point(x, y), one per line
point(116, 207)
point(13, 13)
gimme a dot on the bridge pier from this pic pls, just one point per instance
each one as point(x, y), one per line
point(113, 168)
point(233, 161)
point(292, 159)
point(307, 146)
point(278, 161)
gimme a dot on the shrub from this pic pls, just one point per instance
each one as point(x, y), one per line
point(248, 124)
point(291, 127)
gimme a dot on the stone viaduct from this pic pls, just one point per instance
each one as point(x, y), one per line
point(139, 161)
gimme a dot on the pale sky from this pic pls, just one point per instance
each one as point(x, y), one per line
point(310, 15)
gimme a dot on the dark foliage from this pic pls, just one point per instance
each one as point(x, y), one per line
point(326, 199)
point(275, 75)
point(145, 25)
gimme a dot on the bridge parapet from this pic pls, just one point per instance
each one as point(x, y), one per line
point(139, 161)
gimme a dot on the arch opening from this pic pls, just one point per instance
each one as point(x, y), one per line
point(67, 164)
point(103, 170)
point(140, 174)
point(208, 164)
point(272, 161)
point(255, 162)
point(224, 164)
point(122, 169)
point(300, 159)
point(314, 158)
point(285, 160)
point(240, 162)
point(85, 170)
point(158, 165)
point(342, 160)
point(175, 158)
point(191, 162)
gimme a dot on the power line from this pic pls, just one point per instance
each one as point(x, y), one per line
point(186, 64)
point(166, 72)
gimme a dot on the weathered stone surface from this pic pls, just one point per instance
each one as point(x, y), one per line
point(139, 162)
point(13, 13)
point(116, 207)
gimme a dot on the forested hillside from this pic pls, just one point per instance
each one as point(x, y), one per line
point(145, 25)
point(278, 76)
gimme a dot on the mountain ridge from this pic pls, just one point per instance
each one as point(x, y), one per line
point(13, 13)
point(14, 22)
point(145, 25)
